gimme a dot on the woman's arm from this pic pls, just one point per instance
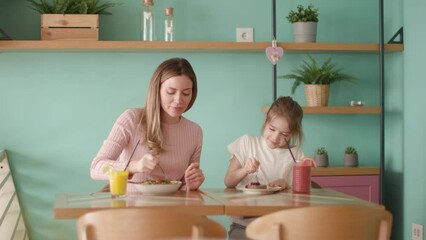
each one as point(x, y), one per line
point(113, 146)
point(194, 177)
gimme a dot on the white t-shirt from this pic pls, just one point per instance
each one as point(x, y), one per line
point(274, 163)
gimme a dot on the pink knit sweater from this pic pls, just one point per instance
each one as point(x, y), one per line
point(182, 146)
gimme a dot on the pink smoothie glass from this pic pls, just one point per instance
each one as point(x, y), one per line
point(302, 175)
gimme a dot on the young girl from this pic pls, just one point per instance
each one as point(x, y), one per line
point(157, 137)
point(266, 158)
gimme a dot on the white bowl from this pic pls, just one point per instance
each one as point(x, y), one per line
point(158, 189)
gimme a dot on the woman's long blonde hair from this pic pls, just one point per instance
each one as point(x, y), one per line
point(151, 116)
point(288, 108)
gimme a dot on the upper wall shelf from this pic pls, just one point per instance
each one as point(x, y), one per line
point(139, 46)
point(337, 110)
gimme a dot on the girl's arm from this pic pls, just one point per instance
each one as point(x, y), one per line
point(236, 173)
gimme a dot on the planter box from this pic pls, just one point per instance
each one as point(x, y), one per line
point(70, 27)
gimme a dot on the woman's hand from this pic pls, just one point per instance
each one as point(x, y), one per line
point(251, 166)
point(146, 164)
point(194, 176)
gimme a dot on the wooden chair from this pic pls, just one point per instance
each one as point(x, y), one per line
point(145, 223)
point(323, 222)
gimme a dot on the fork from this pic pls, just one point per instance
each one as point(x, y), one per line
point(164, 173)
point(257, 170)
point(255, 177)
point(264, 175)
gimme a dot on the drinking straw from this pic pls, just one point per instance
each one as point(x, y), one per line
point(289, 148)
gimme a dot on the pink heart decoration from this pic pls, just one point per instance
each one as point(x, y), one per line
point(274, 54)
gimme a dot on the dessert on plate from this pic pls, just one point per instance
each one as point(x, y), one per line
point(256, 185)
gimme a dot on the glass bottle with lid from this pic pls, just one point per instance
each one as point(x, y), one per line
point(147, 23)
point(168, 25)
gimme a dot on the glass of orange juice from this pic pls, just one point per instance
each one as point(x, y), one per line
point(118, 183)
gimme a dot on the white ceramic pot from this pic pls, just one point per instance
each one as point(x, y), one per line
point(321, 159)
point(305, 31)
point(351, 160)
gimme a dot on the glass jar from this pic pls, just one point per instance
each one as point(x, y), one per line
point(147, 23)
point(168, 25)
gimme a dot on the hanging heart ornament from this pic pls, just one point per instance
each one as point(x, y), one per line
point(274, 53)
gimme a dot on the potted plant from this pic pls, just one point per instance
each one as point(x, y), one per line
point(304, 22)
point(351, 157)
point(70, 19)
point(321, 157)
point(317, 79)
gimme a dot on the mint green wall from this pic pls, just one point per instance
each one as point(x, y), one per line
point(394, 85)
point(414, 180)
point(56, 108)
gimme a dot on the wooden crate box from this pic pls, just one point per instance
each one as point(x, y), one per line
point(70, 27)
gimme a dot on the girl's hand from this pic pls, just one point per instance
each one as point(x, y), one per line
point(146, 164)
point(251, 166)
point(281, 182)
point(194, 177)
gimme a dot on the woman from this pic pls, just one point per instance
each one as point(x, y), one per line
point(157, 137)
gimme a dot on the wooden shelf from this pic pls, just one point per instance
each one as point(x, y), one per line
point(140, 46)
point(345, 171)
point(340, 47)
point(337, 110)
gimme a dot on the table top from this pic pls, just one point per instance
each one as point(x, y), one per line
point(238, 203)
point(69, 206)
point(209, 201)
point(344, 171)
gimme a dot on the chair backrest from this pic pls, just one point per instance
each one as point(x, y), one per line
point(323, 222)
point(144, 223)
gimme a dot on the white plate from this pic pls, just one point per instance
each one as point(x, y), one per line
point(158, 189)
point(269, 190)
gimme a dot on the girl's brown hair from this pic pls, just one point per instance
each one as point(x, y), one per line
point(288, 108)
point(151, 116)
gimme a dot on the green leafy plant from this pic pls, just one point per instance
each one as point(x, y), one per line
point(314, 73)
point(308, 14)
point(321, 151)
point(350, 150)
point(71, 6)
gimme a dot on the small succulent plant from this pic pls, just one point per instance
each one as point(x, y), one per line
point(321, 151)
point(302, 14)
point(71, 6)
point(350, 150)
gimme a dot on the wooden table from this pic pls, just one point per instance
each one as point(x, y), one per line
point(70, 206)
point(213, 201)
point(238, 203)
